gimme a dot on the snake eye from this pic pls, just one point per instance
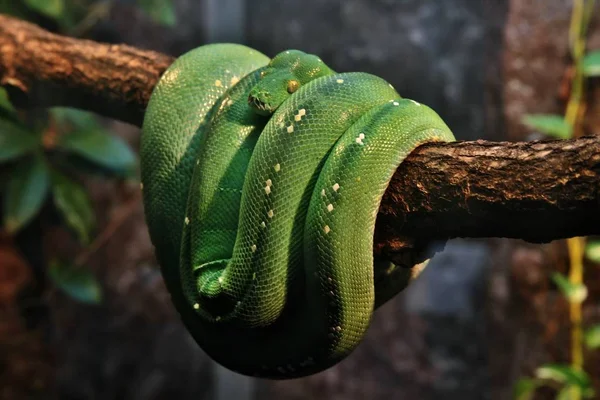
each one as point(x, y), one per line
point(292, 86)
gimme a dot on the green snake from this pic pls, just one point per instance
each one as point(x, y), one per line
point(261, 182)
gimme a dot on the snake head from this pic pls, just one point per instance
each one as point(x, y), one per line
point(283, 76)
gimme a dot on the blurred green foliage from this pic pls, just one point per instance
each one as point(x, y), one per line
point(40, 162)
point(44, 163)
point(77, 282)
point(570, 381)
point(75, 16)
point(45, 157)
point(563, 377)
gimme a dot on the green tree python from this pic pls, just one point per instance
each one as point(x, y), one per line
point(261, 182)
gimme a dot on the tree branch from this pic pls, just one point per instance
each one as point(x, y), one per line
point(41, 69)
point(536, 191)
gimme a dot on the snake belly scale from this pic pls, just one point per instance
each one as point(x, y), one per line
point(261, 181)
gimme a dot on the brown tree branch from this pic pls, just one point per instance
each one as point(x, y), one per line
point(41, 69)
point(536, 191)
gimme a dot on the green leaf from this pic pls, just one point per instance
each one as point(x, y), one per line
point(591, 64)
point(15, 141)
point(592, 250)
point(7, 111)
point(77, 282)
point(552, 125)
point(5, 102)
point(566, 375)
point(74, 204)
point(161, 11)
point(101, 148)
point(565, 393)
point(73, 119)
point(25, 192)
point(574, 293)
point(50, 8)
point(592, 337)
point(525, 389)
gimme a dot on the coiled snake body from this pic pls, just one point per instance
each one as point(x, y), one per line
point(261, 181)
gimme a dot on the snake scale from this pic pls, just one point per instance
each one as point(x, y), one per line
point(261, 182)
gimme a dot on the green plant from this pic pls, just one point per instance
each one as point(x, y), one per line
point(571, 381)
point(75, 17)
point(39, 163)
point(40, 155)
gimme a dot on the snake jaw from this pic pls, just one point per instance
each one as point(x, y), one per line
point(261, 107)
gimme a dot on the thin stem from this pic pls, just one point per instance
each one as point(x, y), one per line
point(576, 246)
point(577, 34)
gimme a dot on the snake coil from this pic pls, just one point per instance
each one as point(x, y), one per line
point(261, 183)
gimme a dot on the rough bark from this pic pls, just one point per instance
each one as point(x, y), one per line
point(536, 191)
point(41, 69)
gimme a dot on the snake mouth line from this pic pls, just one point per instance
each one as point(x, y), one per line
point(262, 107)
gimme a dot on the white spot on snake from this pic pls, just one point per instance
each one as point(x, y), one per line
point(277, 167)
point(331, 293)
point(336, 187)
point(340, 81)
point(254, 275)
point(322, 192)
point(390, 85)
point(330, 207)
point(270, 214)
point(415, 103)
point(269, 182)
point(224, 103)
point(141, 186)
point(196, 306)
point(326, 229)
point(301, 113)
point(263, 224)
point(290, 128)
point(217, 318)
point(268, 189)
point(218, 83)
point(396, 103)
point(253, 248)
point(338, 328)
point(197, 162)
point(229, 102)
point(234, 80)
point(220, 279)
point(360, 138)
point(186, 220)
